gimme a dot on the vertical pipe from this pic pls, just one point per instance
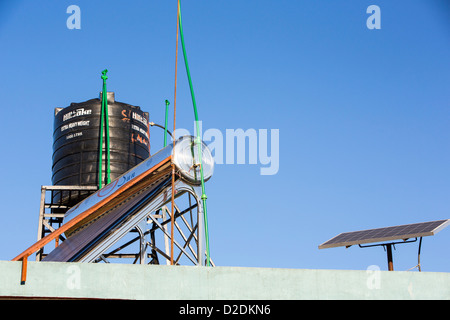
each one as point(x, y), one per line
point(197, 140)
point(172, 219)
point(105, 106)
point(103, 114)
point(100, 148)
point(166, 123)
point(23, 274)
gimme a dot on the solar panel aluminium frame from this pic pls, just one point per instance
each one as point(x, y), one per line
point(89, 236)
point(161, 198)
point(401, 232)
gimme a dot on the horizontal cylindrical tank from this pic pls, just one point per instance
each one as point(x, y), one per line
point(76, 141)
point(184, 156)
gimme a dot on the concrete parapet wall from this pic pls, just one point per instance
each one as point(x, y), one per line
point(123, 281)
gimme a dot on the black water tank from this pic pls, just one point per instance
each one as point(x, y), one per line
point(76, 139)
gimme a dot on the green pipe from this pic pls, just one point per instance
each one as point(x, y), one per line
point(105, 106)
point(104, 114)
point(166, 123)
point(197, 140)
point(100, 148)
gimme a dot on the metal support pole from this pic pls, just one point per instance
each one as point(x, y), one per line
point(41, 222)
point(389, 257)
point(166, 238)
point(142, 230)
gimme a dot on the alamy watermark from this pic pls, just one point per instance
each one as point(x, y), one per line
point(239, 146)
point(73, 281)
point(74, 20)
point(373, 280)
point(374, 20)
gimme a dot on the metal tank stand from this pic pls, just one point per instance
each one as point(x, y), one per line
point(148, 242)
point(52, 209)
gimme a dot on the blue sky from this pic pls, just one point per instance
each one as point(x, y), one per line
point(363, 115)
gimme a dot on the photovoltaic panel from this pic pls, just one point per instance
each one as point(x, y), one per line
point(403, 232)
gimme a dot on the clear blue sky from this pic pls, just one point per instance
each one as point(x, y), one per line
point(363, 115)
